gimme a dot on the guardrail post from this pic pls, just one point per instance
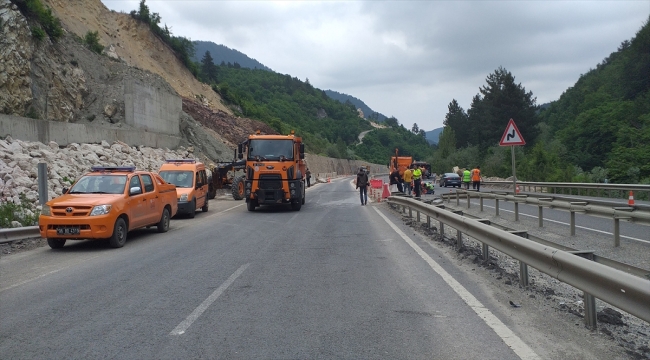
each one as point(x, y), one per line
point(457, 198)
point(481, 201)
point(617, 232)
point(573, 223)
point(417, 215)
point(540, 215)
point(496, 206)
point(486, 253)
point(468, 197)
point(410, 212)
point(428, 222)
point(523, 267)
point(590, 311)
point(459, 240)
point(516, 211)
point(442, 228)
point(42, 183)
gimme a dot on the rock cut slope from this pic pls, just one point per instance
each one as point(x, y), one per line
point(134, 44)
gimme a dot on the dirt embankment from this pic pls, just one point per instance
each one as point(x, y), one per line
point(134, 44)
point(230, 129)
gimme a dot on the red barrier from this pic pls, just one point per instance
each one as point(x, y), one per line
point(376, 183)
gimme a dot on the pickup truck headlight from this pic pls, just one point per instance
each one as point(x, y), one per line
point(100, 210)
point(46, 210)
point(183, 197)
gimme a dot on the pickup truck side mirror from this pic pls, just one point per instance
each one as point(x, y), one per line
point(240, 151)
point(135, 190)
point(302, 151)
point(65, 190)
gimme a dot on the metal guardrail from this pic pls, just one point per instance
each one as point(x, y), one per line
point(26, 232)
point(620, 289)
point(637, 214)
point(553, 186)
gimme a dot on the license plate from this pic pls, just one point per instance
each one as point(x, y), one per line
point(73, 230)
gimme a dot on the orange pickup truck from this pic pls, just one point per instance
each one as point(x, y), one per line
point(107, 203)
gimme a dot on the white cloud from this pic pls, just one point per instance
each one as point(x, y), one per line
point(409, 59)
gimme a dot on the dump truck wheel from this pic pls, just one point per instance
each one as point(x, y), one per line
point(238, 188)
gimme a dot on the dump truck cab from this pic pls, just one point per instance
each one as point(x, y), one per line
point(275, 170)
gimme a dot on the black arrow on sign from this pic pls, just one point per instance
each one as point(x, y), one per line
point(511, 135)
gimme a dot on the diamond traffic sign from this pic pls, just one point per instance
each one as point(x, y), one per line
point(512, 136)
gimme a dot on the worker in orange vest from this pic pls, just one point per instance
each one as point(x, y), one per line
point(476, 178)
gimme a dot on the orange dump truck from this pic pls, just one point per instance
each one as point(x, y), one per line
point(400, 163)
point(275, 170)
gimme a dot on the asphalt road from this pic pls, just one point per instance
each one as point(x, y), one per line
point(334, 280)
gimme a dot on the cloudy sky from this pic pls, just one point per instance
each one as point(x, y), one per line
point(409, 59)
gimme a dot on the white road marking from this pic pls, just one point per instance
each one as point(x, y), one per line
point(567, 224)
point(513, 341)
point(185, 324)
point(236, 206)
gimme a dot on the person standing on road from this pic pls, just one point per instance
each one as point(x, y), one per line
point(417, 181)
point(467, 177)
point(408, 177)
point(362, 185)
point(476, 178)
point(308, 174)
point(396, 179)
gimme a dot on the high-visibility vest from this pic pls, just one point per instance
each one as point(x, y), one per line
point(476, 175)
point(466, 176)
point(417, 173)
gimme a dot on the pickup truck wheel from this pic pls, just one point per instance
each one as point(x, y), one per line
point(251, 205)
point(192, 213)
point(163, 225)
point(238, 188)
point(56, 243)
point(119, 234)
point(205, 206)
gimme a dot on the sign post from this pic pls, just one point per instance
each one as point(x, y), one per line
point(512, 137)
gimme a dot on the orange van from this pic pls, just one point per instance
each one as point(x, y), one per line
point(191, 180)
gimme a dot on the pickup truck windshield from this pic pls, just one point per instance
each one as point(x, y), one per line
point(99, 184)
point(182, 179)
point(270, 150)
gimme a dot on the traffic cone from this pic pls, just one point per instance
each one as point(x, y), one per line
point(328, 179)
point(517, 189)
point(630, 200)
point(386, 192)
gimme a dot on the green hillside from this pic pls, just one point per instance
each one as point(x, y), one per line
point(603, 121)
point(598, 129)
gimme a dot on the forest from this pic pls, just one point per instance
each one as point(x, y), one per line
point(597, 131)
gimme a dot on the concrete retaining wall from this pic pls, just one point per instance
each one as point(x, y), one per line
point(150, 109)
point(62, 133)
point(322, 165)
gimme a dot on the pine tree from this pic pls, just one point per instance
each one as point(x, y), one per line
point(499, 101)
point(456, 120)
point(208, 69)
